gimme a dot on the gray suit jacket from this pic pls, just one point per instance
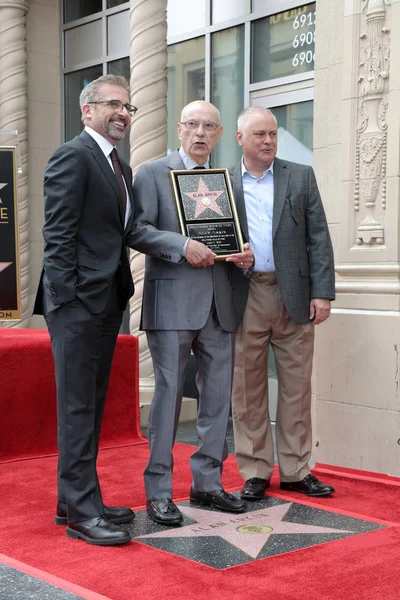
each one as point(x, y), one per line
point(302, 246)
point(176, 296)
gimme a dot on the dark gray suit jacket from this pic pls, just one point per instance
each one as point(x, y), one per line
point(84, 229)
point(302, 246)
point(176, 296)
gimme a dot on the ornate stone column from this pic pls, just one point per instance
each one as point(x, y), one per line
point(14, 115)
point(148, 137)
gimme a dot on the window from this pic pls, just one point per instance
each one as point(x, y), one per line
point(74, 83)
point(77, 9)
point(186, 72)
point(185, 16)
point(283, 44)
point(227, 90)
point(295, 132)
point(112, 3)
point(222, 10)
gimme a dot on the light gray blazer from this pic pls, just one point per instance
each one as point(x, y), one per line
point(176, 296)
point(302, 246)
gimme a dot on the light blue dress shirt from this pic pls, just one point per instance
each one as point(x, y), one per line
point(189, 162)
point(259, 200)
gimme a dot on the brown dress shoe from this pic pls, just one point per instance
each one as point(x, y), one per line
point(254, 489)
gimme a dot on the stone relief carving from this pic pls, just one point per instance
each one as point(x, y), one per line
point(373, 81)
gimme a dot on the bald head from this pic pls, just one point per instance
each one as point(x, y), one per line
point(199, 130)
point(199, 105)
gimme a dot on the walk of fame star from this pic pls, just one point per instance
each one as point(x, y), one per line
point(249, 532)
point(4, 266)
point(269, 527)
point(205, 198)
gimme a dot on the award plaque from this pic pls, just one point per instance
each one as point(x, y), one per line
point(10, 295)
point(206, 209)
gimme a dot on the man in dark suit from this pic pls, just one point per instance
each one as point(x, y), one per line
point(84, 288)
point(287, 292)
point(187, 305)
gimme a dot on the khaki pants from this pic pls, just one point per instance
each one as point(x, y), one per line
point(265, 322)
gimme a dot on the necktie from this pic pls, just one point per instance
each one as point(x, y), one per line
point(199, 167)
point(120, 179)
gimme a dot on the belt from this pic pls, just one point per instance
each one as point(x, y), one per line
point(268, 277)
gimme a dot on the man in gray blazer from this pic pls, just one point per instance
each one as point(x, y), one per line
point(83, 290)
point(287, 292)
point(187, 305)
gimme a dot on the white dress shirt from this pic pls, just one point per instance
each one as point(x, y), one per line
point(106, 147)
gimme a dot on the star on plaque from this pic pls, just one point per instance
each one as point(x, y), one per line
point(2, 185)
point(4, 265)
point(205, 198)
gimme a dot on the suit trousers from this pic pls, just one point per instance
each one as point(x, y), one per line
point(266, 322)
point(83, 347)
point(170, 351)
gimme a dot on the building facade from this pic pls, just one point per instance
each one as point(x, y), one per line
point(324, 69)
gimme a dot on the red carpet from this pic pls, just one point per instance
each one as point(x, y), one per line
point(359, 568)
point(364, 567)
point(28, 404)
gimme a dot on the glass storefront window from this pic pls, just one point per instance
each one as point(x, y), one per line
point(122, 67)
point(83, 44)
point(283, 44)
point(227, 90)
point(74, 83)
point(186, 72)
point(222, 10)
point(295, 132)
point(112, 3)
point(77, 9)
point(184, 16)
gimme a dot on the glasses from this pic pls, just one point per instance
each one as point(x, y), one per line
point(117, 105)
point(193, 125)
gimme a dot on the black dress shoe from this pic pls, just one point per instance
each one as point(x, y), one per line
point(164, 511)
point(310, 485)
point(114, 514)
point(218, 499)
point(98, 532)
point(254, 489)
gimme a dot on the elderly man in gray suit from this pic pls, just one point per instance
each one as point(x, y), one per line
point(187, 305)
point(287, 292)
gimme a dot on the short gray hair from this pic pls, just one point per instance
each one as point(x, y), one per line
point(90, 92)
point(251, 110)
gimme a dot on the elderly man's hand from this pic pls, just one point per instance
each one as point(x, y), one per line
point(199, 255)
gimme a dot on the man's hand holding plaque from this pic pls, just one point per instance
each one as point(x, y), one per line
point(198, 255)
point(243, 260)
